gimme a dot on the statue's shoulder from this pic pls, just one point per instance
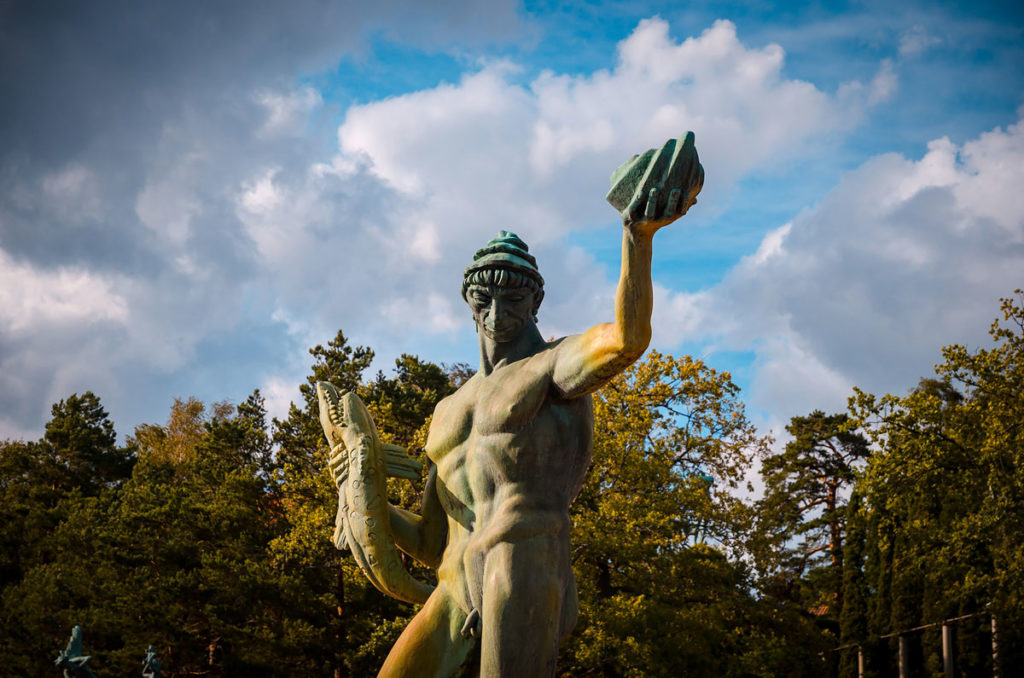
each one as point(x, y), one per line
point(556, 347)
point(544, 362)
point(462, 392)
point(555, 344)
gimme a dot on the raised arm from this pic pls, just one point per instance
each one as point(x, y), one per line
point(662, 186)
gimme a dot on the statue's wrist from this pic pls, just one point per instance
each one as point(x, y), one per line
point(638, 233)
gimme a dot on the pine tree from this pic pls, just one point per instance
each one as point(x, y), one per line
point(803, 511)
point(84, 442)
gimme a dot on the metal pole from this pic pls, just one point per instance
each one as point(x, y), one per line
point(995, 649)
point(947, 651)
point(904, 658)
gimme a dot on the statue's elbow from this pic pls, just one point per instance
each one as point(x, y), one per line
point(634, 344)
point(630, 351)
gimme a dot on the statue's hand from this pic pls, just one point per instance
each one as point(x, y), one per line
point(334, 422)
point(654, 189)
point(338, 464)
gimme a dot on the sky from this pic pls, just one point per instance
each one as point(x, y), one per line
point(193, 194)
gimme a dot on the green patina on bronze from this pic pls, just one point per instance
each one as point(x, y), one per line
point(359, 467)
point(508, 452)
point(71, 659)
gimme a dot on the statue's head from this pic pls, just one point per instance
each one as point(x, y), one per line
point(503, 287)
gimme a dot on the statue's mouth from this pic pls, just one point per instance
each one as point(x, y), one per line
point(503, 332)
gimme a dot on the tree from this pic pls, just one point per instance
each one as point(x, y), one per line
point(803, 513)
point(853, 617)
point(309, 499)
point(84, 442)
point(657, 533)
point(946, 490)
point(402, 403)
point(358, 623)
point(77, 457)
point(31, 488)
point(176, 556)
point(216, 549)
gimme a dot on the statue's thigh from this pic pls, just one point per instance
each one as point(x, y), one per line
point(524, 585)
point(431, 645)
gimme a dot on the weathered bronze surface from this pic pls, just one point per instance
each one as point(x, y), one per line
point(509, 451)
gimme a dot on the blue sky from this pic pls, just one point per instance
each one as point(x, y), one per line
point(191, 196)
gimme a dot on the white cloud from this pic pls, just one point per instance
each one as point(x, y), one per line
point(278, 394)
point(489, 153)
point(437, 315)
point(53, 326)
point(917, 40)
point(169, 204)
point(261, 196)
point(30, 297)
point(73, 193)
point(902, 257)
point(857, 96)
point(287, 112)
point(234, 228)
point(160, 216)
point(771, 245)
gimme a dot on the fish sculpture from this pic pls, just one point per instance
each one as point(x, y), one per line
point(360, 465)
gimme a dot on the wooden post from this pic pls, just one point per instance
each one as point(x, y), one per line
point(947, 650)
point(904, 658)
point(860, 661)
point(995, 649)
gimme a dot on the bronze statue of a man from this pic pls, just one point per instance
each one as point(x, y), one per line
point(509, 450)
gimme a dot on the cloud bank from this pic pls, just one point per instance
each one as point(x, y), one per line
point(902, 257)
point(188, 220)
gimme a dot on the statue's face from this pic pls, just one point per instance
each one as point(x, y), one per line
point(501, 313)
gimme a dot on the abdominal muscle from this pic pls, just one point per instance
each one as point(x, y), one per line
point(510, 516)
point(506, 482)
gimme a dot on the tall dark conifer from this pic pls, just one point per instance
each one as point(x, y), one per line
point(84, 442)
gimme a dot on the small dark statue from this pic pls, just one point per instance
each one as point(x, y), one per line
point(71, 658)
point(151, 664)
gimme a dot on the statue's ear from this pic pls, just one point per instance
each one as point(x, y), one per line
point(537, 298)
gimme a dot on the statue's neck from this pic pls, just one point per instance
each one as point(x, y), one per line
point(494, 354)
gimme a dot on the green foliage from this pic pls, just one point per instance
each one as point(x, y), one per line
point(338, 602)
point(31, 488)
point(208, 535)
point(653, 528)
point(946, 492)
point(174, 557)
point(853, 616)
point(401, 404)
point(802, 516)
point(358, 623)
point(83, 441)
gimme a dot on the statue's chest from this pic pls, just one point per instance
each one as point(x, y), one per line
point(507, 401)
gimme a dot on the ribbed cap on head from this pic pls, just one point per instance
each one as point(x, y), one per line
point(505, 251)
